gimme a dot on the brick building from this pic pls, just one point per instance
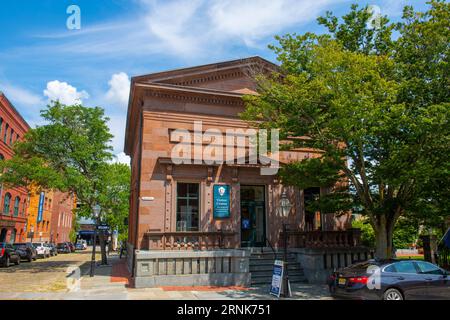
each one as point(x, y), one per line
point(62, 216)
point(195, 222)
point(40, 209)
point(50, 215)
point(13, 201)
point(47, 214)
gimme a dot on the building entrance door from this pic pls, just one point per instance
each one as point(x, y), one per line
point(3, 235)
point(253, 216)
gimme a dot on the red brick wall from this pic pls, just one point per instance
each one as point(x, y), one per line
point(62, 217)
point(15, 126)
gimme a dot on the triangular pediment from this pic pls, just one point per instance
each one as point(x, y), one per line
point(230, 76)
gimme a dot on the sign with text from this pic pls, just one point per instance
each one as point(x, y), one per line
point(221, 201)
point(102, 227)
point(41, 207)
point(277, 278)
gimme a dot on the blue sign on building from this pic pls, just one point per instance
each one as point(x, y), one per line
point(41, 207)
point(221, 201)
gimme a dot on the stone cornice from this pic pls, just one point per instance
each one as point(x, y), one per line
point(192, 94)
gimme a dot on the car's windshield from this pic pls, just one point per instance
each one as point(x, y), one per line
point(61, 245)
point(36, 245)
point(20, 246)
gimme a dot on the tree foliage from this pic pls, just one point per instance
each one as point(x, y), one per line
point(376, 107)
point(72, 153)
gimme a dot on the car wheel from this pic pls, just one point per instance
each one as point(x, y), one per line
point(30, 259)
point(7, 262)
point(392, 294)
point(17, 262)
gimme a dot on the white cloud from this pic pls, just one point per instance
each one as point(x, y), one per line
point(204, 25)
point(22, 96)
point(252, 20)
point(178, 25)
point(116, 126)
point(64, 92)
point(187, 28)
point(119, 90)
point(122, 158)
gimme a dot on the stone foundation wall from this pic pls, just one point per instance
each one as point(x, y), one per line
point(319, 263)
point(191, 268)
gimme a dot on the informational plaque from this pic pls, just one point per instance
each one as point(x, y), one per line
point(221, 201)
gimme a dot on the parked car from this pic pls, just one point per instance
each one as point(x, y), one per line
point(394, 280)
point(81, 245)
point(71, 246)
point(63, 248)
point(26, 251)
point(42, 250)
point(8, 254)
point(52, 248)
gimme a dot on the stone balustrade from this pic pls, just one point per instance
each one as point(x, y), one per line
point(323, 239)
point(190, 240)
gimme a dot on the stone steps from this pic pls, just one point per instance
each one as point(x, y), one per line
point(269, 267)
point(258, 280)
point(261, 267)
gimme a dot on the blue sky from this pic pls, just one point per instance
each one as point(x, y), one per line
point(41, 59)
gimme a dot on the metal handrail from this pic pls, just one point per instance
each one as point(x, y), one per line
point(271, 247)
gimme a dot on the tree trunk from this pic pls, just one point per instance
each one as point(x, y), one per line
point(103, 247)
point(383, 238)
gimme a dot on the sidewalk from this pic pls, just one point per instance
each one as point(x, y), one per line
point(112, 283)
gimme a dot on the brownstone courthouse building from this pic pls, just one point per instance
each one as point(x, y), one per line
point(175, 236)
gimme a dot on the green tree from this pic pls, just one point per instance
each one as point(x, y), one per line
point(71, 153)
point(367, 233)
point(345, 91)
point(115, 195)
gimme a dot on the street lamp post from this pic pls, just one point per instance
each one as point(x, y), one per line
point(285, 205)
point(96, 213)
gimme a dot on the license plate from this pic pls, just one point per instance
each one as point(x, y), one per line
point(342, 281)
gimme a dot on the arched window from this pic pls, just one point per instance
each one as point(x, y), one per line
point(16, 206)
point(5, 136)
point(24, 206)
point(3, 235)
point(11, 136)
point(6, 203)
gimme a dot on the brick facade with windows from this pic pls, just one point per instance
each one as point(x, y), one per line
point(13, 201)
point(62, 216)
